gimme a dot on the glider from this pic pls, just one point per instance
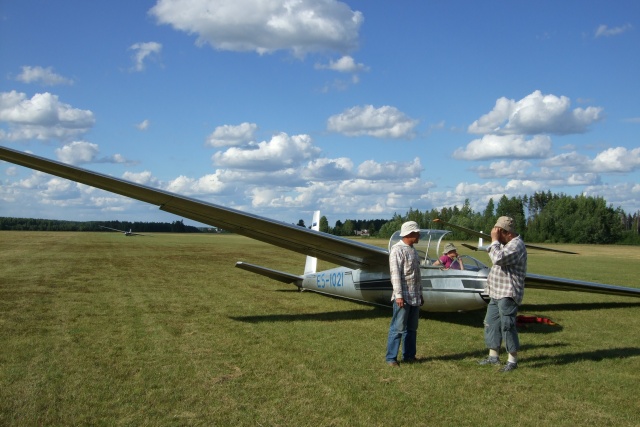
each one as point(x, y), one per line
point(363, 272)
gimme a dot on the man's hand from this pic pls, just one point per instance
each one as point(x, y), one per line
point(400, 302)
point(495, 234)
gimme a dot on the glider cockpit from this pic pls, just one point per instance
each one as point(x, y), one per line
point(429, 249)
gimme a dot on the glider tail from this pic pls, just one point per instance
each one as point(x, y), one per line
point(312, 262)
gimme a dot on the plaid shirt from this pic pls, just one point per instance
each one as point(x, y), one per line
point(404, 264)
point(506, 278)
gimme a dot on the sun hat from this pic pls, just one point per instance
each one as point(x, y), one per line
point(408, 228)
point(449, 247)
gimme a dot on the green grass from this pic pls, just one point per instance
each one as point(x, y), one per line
point(102, 329)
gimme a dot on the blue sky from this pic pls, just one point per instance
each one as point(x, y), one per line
point(361, 109)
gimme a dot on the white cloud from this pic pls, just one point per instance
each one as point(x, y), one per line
point(536, 114)
point(144, 51)
point(618, 159)
point(383, 122)
point(77, 152)
point(505, 146)
point(504, 169)
point(611, 160)
point(45, 76)
point(345, 64)
point(264, 26)
point(144, 178)
point(370, 169)
point(41, 117)
point(328, 169)
point(605, 31)
point(229, 135)
point(143, 125)
point(280, 152)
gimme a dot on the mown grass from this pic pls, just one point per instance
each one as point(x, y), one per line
point(102, 329)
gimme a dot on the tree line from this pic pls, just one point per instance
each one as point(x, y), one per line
point(31, 224)
point(540, 218)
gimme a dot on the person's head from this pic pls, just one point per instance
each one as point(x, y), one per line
point(410, 232)
point(450, 250)
point(507, 228)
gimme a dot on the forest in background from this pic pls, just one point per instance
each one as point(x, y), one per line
point(540, 218)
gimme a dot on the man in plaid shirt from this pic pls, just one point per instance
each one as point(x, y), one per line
point(505, 286)
point(404, 265)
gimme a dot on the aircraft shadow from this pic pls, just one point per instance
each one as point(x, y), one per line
point(473, 319)
point(578, 306)
point(480, 353)
point(332, 316)
point(545, 361)
point(592, 356)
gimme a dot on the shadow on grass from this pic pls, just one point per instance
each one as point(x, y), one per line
point(544, 361)
point(578, 306)
point(481, 353)
point(331, 316)
point(591, 356)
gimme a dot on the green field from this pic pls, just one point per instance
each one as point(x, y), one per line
point(102, 329)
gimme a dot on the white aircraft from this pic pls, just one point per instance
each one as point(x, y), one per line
point(126, 233)
point(363, 274)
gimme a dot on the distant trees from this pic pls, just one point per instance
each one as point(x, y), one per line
point(31, 224)
point(542, 217)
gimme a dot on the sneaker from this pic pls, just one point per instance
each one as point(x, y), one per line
point(410, 360)
point(510, 366)
point(393, 364)
point(489, 361)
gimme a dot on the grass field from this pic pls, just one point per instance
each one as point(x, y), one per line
point(102, 329)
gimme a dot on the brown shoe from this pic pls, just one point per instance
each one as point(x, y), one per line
point(393, 364)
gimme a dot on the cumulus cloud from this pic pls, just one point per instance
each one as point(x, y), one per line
point(383, 122)
point(300, 26)
point(44, 76)
point(230, 136)
point(611, 160)
point(280, 152)
point(41, 117)
point(536, 114)
point(328, 169)
point(144, 178)
point(143, 52)
point(618, 159)
point(370, 169)
point(346, 64)
point(505, 146)
point(79, 152)
point(504, 169)
point(605, 31)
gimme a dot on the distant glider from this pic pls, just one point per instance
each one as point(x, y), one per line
point(126, 233)
point(364, 272)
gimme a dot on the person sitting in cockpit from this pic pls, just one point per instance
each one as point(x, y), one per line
point(450, 258)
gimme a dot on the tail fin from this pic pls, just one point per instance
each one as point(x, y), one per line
point(312, 262)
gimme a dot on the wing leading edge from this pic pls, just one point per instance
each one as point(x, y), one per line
point(536, 281)
point(324, 246)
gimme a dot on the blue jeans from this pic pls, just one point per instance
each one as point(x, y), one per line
point(404, 327)
point(500, 324)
